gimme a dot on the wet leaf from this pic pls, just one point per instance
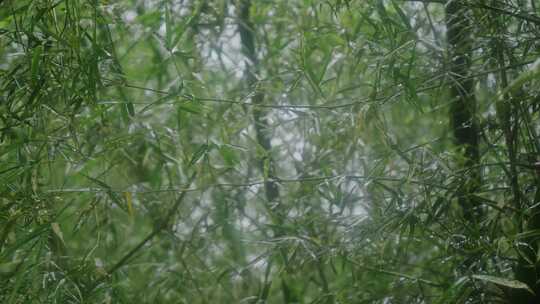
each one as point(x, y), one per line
point(515, 284)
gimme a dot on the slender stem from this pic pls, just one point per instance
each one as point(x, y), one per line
point(165, 223)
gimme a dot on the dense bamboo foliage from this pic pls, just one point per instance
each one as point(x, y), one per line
point(246, 151)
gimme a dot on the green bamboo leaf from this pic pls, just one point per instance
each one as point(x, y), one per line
point(326, 62)
point(402, 15)
point(203, 149)
point(229, 155)
point(168, 27)
point(36, 63)
point(528, 75)
point(9, 267)
point(150, 19)
point(130, 109)
point(190, 108)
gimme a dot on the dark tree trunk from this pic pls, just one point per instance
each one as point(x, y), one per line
point(463, 110)
point(267, 166)
point(261, 125)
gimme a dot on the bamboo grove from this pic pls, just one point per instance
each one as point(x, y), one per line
point(246, 151)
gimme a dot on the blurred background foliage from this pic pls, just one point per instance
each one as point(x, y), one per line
point(236, 151)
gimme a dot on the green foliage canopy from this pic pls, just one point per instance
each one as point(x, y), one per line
point(244, 151)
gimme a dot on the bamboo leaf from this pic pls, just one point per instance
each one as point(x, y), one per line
point(36, 63)
point(514, 284)
point(129, 201)
point(57, 231)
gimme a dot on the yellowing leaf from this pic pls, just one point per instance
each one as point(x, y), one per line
point(56, 229)
point(129, 201)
